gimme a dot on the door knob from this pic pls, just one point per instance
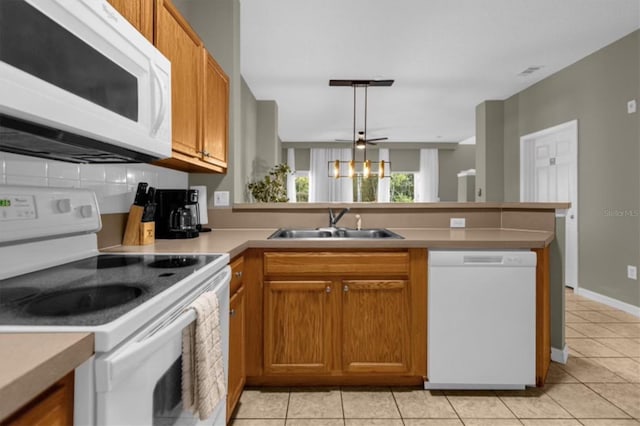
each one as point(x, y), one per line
point(328, 289)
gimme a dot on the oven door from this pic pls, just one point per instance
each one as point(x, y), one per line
point(140, 382)
point(80, 67)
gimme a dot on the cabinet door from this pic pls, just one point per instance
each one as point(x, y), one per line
point(54, 407)
point(139, 13)
point(375, 326)
point(215, 113)
point(182, 46)
point(297, 326)
point(237, 375)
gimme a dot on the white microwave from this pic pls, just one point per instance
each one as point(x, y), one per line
point(79, 83)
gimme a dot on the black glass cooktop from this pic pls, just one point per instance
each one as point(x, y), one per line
point(92, 291)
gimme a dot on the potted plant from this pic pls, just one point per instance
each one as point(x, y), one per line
point(273, 187)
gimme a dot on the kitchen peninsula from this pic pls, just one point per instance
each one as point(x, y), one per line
point(397, 267)
point(400, 264)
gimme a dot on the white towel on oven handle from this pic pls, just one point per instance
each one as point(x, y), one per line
point(203, 382)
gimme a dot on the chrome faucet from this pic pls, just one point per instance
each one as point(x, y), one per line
point(333, 219)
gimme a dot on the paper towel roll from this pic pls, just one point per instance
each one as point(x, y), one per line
point(202, 203)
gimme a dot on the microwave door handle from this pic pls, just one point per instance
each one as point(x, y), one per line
point(157, 81)
point(111, 368)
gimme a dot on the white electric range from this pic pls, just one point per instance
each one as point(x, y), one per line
point(53, 279)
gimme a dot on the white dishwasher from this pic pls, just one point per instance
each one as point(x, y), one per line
point(481, 319)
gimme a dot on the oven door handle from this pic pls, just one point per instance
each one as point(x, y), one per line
point(109, 370)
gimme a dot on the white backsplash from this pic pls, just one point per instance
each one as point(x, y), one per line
point(114, 184)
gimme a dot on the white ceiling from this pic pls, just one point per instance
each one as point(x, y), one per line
point(446, 57)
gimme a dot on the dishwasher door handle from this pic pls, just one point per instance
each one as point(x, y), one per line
point(482, 260)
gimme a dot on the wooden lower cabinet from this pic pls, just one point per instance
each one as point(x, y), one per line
point(54, 407)
point(237, 375)
point(297, 327)
point(237, 336)
point(346, 323)
point(375, 326)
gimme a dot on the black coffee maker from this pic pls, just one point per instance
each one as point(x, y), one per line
point(174, 217)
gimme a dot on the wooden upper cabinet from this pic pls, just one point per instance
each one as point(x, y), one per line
point(297, 323)
point(215, 110)
point(199, 86)
point(375, 326)
point(175, 38)
point(139, 13)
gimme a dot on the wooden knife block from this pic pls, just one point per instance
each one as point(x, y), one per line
point(137, 232)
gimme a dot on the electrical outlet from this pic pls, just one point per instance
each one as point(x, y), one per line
point(632, 272)
point(221, 198)
point(631, 106)
point(457, 222)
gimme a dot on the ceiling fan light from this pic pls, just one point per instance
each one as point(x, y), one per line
point(361, 144)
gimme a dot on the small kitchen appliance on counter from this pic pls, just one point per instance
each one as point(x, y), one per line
point(174, 217)
point(134, 304)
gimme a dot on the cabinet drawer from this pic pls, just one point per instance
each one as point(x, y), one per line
point(337, 263)
point(237, 270)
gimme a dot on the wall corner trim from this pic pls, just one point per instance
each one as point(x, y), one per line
point(560, 355)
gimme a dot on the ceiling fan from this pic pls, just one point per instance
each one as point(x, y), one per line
point(361, 142)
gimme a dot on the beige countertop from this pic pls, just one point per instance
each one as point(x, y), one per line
point(31, 362)
point(235, 241)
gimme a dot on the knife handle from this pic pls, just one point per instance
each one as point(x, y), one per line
point(132, 231)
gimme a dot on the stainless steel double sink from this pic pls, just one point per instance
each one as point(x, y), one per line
point(377, 233)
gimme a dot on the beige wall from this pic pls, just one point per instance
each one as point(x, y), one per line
point(249, 137)
point(450, 163)
point(268, 149)
point(489, 151)
point(595, 91)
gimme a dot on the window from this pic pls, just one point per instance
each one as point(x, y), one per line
point(402, 187)
point(365, 189)
point(302, 186)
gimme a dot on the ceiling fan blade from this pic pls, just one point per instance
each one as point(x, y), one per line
point(344, 140)
point(377, 139)
point(371, 143)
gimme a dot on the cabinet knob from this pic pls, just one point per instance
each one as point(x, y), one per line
point(328, 289)
point(205, 153)
point(345, 288)
point(238, 274)
point(232, 313)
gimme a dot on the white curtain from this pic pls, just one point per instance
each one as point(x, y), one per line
point(291, 178)
point(384, 185)
point(325, 188)
point(426, 180)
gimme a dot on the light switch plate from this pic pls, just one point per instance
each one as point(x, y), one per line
point(632, 272)
point(221, 198)
point(457, 222)
point(631, 106)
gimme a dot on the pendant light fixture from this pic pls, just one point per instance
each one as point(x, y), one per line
point(336, 168)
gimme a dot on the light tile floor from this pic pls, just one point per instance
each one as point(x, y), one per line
point(599, 386)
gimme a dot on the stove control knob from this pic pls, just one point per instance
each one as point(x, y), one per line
point(63, 205)
point(86, 211)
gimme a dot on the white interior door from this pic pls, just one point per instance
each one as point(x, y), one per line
point(549, 172)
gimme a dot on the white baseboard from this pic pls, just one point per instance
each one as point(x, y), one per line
point(560, 355)
point(614, 303)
